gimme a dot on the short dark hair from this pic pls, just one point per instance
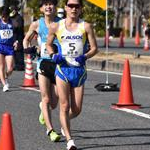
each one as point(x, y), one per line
point(5, 11)
point(42, 2)
point(80, 2)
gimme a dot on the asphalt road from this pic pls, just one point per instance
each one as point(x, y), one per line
point(99, 127)
point(129, 46)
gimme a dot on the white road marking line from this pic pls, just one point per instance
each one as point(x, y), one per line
point(117, 73)
point(141, 114)
point(30, 88)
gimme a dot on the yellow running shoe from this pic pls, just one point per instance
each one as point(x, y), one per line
point(54, 137)
point(41, 118)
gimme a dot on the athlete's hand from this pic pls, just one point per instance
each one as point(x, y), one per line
point(16, 45)
point(81, 59)
point(57, 58)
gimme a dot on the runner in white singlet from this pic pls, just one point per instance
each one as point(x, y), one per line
point(72, 34)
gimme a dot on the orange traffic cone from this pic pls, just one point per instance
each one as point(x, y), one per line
point(6, 136)
point(29, 76)
point(126, 95)
point(106, 40)
point(146, 43)
point(137, 38)
point(121, 43)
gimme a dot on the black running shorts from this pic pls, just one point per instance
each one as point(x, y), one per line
point(48, 69)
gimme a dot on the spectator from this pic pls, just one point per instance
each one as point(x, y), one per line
point(61, 13)
point(18, 25)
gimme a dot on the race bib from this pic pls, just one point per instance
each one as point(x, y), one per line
point(6, 34)
point(44, 52)
point(71, 51)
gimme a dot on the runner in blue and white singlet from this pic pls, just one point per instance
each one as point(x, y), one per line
point(7, 46)
point(43, 33)
point(71, 44)
point(43, 66)
point(6, 38)
point(72, 34)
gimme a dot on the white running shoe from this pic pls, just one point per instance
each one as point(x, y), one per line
point(6, 82)
point(5, 88)
point(62, 132)
point(71, 145)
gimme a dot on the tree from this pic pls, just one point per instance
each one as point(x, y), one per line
point(34, 4)
point(91, 13)
point(94, 15)
point(119, 7)
point(11, 2)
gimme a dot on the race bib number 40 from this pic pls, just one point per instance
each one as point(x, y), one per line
point(6, 34)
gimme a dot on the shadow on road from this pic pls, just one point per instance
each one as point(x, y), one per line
point(118, 133)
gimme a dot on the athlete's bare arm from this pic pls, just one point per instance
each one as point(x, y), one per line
point(51, 35)
point(92, 40)
point(33, 29)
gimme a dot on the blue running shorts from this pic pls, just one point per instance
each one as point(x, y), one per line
point(76, 76)
point(6, 50)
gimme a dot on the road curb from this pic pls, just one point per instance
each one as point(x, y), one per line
point(136, 69)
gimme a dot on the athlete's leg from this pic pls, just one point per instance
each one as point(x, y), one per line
point(64, 90)
point(9, 63)
point(76, 101)
point(44, 86)
point(2, 69)
point(54, 96)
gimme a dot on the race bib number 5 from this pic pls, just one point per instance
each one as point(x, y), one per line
point(72, 49)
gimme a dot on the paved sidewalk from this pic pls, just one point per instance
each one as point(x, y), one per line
point(139, 65)
point(117, 64)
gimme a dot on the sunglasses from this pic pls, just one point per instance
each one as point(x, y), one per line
point(77, 6)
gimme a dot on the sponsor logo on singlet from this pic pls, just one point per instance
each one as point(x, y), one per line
point(72, 37)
